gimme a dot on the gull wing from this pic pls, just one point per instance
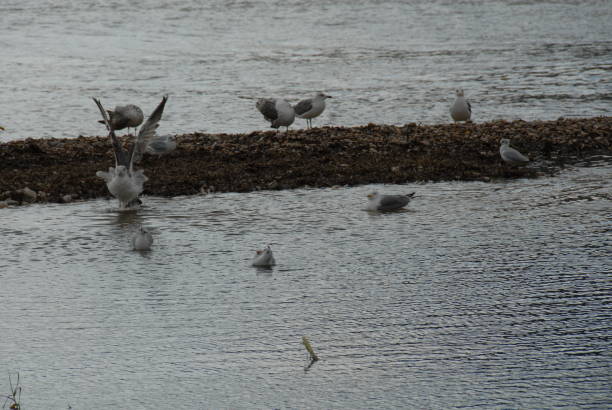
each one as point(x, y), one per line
point(121, 157)
point(390, 202)
point(303, 107)
point(513, 155)
point(147, 131)
point(268, 108)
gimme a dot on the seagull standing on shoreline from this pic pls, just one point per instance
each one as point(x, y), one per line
point(123, 182)
point(378, 202)
point(125, 116)
point(311, 107)
point(161, 144)
point(510, 155)
point(276, 110)
point(461, 110)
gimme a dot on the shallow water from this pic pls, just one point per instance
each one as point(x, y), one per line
point(478, 295)
point(385, 62)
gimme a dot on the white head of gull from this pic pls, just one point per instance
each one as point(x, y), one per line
point(461, 110)
point(276, 110)
point(264, 258)
point(142, 240)
point(123, 182)
point(311, 107)
point(510, 155)
point(378, 202)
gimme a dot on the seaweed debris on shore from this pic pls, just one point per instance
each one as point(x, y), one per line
point(61, 170)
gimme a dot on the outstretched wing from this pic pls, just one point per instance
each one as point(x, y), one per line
point(303, 107)
point(121, 157)
point(147, 131)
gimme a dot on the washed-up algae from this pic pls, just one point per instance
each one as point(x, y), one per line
point(60, 170)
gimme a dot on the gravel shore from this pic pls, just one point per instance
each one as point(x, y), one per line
point(62, 170)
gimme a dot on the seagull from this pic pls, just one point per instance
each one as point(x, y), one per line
point(378, 202)
point(461, 110)
point(142, 240)
point(160, 145)
point(264, 258)
point(125, 116)
point(276, 110)
point(122, 181)
point(510, 155)
point(311, 107)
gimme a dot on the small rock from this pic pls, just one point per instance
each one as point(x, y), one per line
point(67, 198)
point(28, 194)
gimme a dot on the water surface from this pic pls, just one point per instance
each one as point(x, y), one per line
point(477, 295)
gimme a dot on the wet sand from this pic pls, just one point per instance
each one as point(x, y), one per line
point(62, 170)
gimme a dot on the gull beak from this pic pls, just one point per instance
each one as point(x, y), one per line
point(328, 96)
point(258, 252)
point(370, 196)
point(1, 128)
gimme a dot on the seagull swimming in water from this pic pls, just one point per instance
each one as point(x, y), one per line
point(378, 202)
point(311, 107)
point(264, 258)
point(276, 110)
point(162, 144)
point(142, 240)
point(125, 116)
point(123, 182)
point(510, 155)
point(461, 110)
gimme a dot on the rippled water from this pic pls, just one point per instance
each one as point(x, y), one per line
point(386, 62)
point(478, 295)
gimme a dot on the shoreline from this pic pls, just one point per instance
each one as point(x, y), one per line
point(63, 170)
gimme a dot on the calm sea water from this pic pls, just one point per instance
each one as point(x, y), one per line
point(478, 295)
point(384, 61)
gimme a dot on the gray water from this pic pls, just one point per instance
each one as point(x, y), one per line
point(490, 295)
point(387, 62)
point(478, 295)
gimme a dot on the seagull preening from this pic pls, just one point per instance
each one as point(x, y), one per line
point(510, 155)
point(311, 107)
point(123, 182)
point(125, 116)
point(461, 110)
point(276, 110)
point(378, 202)
point(264, 258)
point(161, 144)
point(142, 240)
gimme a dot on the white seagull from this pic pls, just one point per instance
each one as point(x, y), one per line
point(311, 107)
point(378, 202)
point(461, 110)
point(142, 240)
point(160, 145)
point(125, 116)
point(510, 155)
point(276, 110)
point(264, 258)
point(123, 182)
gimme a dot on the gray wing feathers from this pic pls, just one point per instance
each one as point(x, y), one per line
point(268, 109)
point(147, 131)
point(303, 107)
point(388, 202)
point(513, 155)
point(121, 157)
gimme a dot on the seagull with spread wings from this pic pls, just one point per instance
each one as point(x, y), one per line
point(123, 182)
